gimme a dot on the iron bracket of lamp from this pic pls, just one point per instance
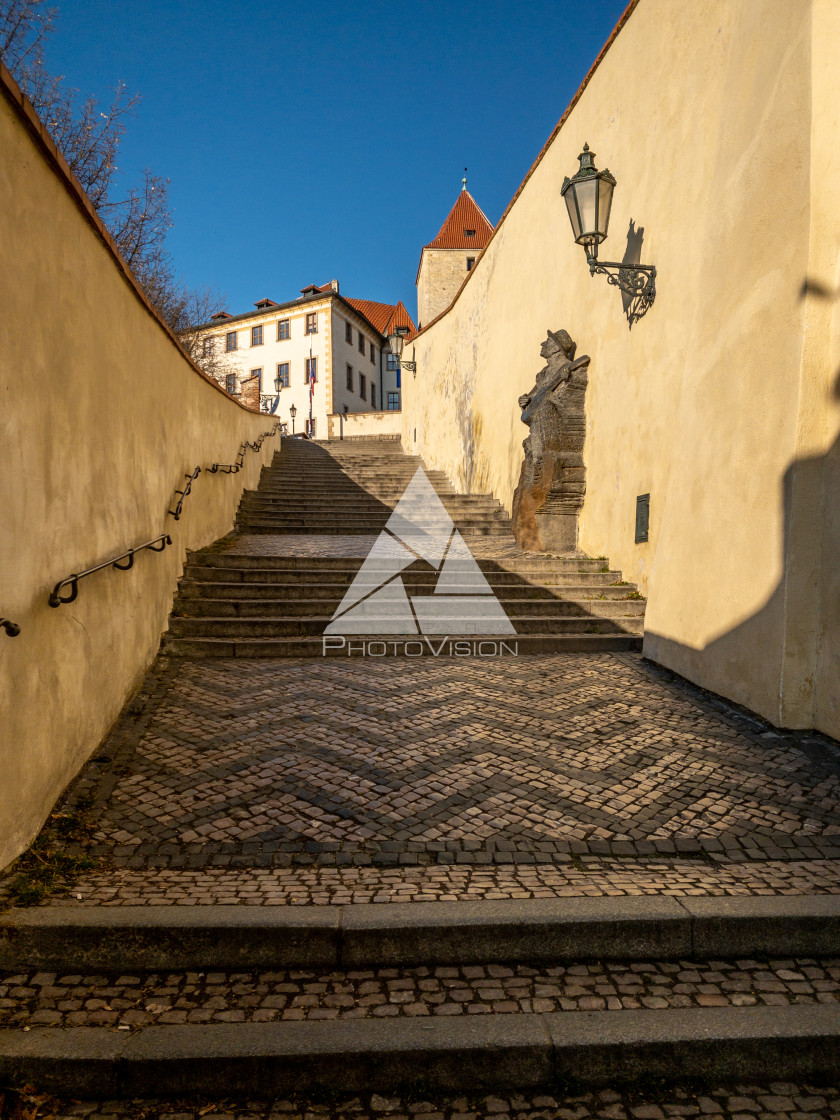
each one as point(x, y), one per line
point(636, 280)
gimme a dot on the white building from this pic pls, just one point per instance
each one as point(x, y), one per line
point(343, 340)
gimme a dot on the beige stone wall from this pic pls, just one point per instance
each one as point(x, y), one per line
point(441, 274)
point(364, 424)
point(101, 418)
point(719, 121)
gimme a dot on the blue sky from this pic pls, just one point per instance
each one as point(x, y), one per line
point(306, 141)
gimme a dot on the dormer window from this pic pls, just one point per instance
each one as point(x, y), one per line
point(469, 233)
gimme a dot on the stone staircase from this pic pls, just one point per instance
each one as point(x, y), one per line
point(242, 602)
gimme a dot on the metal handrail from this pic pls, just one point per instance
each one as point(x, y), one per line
point(11, 628)
point(56, 598)
point(234, 468)
point(176, 512)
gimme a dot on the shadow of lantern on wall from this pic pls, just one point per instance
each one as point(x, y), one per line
point(588, 197)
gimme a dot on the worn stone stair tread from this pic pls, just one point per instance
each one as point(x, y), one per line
point(358, 935)
point(458, 1053)
point(313, 647)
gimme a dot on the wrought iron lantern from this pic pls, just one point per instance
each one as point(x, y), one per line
point(396, 340)
point(588, 196)
point(278, 383)
point(293, 414)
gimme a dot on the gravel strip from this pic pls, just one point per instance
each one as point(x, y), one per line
point(47, 999)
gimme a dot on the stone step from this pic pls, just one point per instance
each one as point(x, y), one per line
point(91, 939)
point(329, 499)
point(293, 587)
point(460, 1053)
point(247, 577)
point(299, 607)
point(487, 645)
point(527, 567)
point(342, 528)
point(373, 511)
point(268, 626)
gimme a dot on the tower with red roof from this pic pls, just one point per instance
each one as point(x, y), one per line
point(445, 262)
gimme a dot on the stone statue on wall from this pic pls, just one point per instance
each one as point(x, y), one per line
point(552, 482)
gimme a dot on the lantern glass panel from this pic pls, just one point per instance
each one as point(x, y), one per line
point(396, 342)
point(586, 191)
point(605, 195)
point(571, 206)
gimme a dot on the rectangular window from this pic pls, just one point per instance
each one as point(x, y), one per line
point(230, 383)
point(208, 346)
point(230, 341)
point(470, 263)
point(284, 329)
point(363, 386)
point(372, 358)
point(256, 336)
point(310, 427)
point(348, 333)
point(361, 343)
point(283, 374)
point(393, 402)
point(257, 373)
point(350, 378)
point(372, 395)
point(311, 323)
point(311, 364)
point(391, 363)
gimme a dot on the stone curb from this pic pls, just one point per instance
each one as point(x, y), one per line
point(125, 938)
point(522, 1051)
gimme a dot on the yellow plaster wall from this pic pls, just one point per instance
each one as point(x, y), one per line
point(101, 416)
point(702, 111)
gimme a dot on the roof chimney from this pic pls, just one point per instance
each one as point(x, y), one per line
point(334, 285)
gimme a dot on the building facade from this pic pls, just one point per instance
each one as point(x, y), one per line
point(446, 261)
point(320, 341)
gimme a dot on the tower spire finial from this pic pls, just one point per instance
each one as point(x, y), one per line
point(464, 181)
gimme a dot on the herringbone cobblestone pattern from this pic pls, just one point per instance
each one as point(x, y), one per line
point(267, 764)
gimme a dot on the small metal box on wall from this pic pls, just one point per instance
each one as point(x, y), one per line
point(642, 517)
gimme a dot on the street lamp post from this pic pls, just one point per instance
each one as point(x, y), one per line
point(396, 340)
point(588, 197)
point(293, 414)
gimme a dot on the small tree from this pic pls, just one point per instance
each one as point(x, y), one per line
point(88, 138)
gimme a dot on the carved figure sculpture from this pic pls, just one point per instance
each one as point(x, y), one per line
point(552, 481)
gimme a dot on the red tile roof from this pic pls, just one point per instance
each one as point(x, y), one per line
point(384, 316)
point(465, 215)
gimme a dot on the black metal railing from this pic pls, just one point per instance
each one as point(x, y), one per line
point(11, 628)
point(255, 445)
point(56, 598)
point(176, 512)
point(71, 582)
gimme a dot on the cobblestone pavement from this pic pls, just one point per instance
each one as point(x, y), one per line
point(45, 999)
point(588, 876)
point(485, 763)
point(780, 1100)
